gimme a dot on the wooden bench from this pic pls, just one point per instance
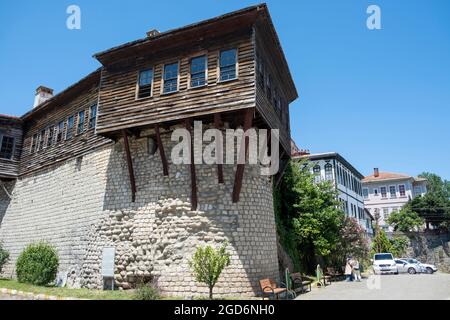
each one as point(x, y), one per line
point(300, 285)
point(333, 274)
point(269, 288)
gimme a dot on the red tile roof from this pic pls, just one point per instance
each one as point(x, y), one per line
point(386, 176)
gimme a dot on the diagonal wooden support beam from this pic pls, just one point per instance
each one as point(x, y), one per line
point(194, 199)
point(242, 153)
point(130, 165)
point(161, 151)
point(219, 149)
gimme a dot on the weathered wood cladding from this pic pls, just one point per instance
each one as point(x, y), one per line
point(120, 109)
point(264, 52)
point(11, 127)
point(66, 149)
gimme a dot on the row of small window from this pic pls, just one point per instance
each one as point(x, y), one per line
point(384, 194)
point(385, 212)
point(353, 210)
point(349, 181)
point(265, 81)
point(56, 133)
point(198, 73)
point(6, 147)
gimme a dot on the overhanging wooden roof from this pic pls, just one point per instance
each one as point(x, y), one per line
point(221, 25)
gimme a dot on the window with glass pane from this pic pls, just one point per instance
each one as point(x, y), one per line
point(7, 147)
point(316, 171)
point(51, 134)
point(59, 136)
point(366, 193)
point(228, 65)
point(145, 83)
point(198, 71)
point(34, 143)
point(170, 77)
point(417, 190)
point(80, 127)
point(401, 190)
point(269, 87)
point(42, 140)
point(328, 172)
point(70, 123)
point(92, 116)
point(392, 191)
point(383, 192)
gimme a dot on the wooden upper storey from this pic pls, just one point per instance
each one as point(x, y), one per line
point(249, 32)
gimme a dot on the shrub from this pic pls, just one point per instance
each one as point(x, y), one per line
point(207, 264)
point(37, 264)
point(4, 257)
point(147, 291)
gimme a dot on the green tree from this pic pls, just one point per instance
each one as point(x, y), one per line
point(311, 212)
point(405, 220)
point(380, 242)
point(399, 245)
point(434, 207)
point(208, 263)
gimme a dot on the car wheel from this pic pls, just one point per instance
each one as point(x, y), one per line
point(429, 271)
point(412, 271)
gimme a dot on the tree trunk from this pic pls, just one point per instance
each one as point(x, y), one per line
point(210, 293)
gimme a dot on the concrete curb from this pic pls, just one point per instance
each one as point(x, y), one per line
point(34, 296)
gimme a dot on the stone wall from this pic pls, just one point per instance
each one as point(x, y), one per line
point(431, 247)
point(85, 205)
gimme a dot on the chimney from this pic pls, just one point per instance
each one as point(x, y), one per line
point(152, 33)
point(376, 172)
point(42, 95)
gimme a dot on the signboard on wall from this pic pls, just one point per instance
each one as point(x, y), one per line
point(108, 258)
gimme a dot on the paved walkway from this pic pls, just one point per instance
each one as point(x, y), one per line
point(386, 287)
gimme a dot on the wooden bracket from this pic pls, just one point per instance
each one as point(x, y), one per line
point(217, 125)
point(130, 165)
point(242, 153)
point(161, 151)
point(194, 199)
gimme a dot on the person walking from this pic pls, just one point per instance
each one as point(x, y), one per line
point(348, 271)
point(356, 271)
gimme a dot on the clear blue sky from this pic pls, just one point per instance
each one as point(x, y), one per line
point(380, 98)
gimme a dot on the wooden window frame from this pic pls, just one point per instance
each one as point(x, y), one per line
point(77, 132)
point(69, 129)
point(178, 62)
point(385, 193)
point(50, 138)
point(58, 129)
point(13, 150)
point(237, 65)
point(189, 77)
point(95, 118)
point(42, 139)
point(138, 87)
point(404, 189)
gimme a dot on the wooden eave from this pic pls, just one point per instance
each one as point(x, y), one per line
point(207, 29)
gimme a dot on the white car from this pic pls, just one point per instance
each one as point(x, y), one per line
point(425, 267)
point(405, 266)
point(384, 263)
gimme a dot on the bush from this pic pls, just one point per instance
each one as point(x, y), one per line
point(4, 257)
point(37, 264)
point(147, 291)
